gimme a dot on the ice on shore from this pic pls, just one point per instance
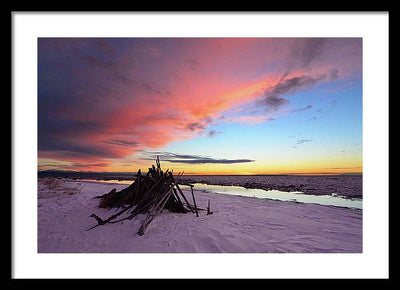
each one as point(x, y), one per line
point(238, 225)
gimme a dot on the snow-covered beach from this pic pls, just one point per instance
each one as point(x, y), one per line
point(238, 225)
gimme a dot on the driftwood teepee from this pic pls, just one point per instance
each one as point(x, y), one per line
point(148, 195)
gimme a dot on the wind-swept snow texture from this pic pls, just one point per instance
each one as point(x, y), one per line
point(237, 225)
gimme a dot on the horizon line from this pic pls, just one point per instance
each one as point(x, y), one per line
point(210, 174)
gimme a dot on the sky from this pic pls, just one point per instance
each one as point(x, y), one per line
point(203, 105)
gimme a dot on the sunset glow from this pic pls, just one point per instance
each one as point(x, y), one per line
point(204, 105)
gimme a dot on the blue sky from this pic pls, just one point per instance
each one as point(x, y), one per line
point(217, 106)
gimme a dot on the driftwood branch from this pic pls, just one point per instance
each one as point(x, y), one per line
point(209, 208)
point(194, 200)
point(148, 194)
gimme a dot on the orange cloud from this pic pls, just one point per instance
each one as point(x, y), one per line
point(102, 100)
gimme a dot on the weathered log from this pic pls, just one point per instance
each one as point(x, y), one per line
point(101, 196)
point(158, 163)
point(152, 214)
point(107, 198)
point(209, 209)
point(180, 191)
point(176, 194)
point(136, 197)
point(108, 220)
point(194, 200)
point(149, 195)
point(99, 220)
point(184, 198)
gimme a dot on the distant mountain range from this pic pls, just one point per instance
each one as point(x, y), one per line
point(130, 175)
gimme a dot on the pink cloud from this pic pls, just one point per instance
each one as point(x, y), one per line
point(105, 100)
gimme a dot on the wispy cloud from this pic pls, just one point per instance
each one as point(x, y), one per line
point(199, 125)
point(308, 107)
point(274, 97)
point(301, 141)
point(122, 143)
point(213, 133)
point(308, 50)
point(101, 99)
point(73, 166)
point(195, 126)
point(191, 159)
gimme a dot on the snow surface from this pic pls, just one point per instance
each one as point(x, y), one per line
point(238, 225)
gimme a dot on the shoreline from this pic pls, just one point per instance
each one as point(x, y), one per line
point(298, 197)
point(348, 186)
point(238, 225)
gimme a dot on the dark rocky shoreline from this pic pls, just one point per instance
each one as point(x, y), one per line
point(347, 186)
point(344, 185)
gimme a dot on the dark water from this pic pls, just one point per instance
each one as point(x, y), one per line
point(343, 185)
point(333, 200)
point(292, 196)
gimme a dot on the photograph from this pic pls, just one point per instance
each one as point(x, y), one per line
point(200, 144)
